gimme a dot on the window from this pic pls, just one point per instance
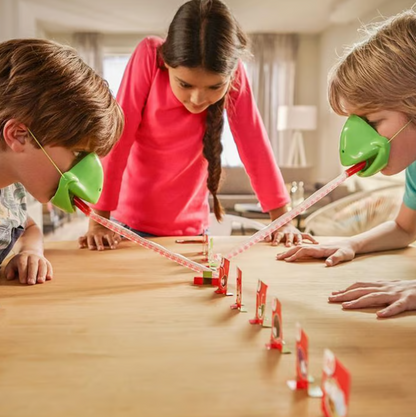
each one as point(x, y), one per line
point(230, 156)
point(113, 69)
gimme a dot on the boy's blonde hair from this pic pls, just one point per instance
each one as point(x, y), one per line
point(380, 72)
point(48, 87)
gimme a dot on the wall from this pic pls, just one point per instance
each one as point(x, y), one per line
point(307, 90)
point(19, 19)
point(316, 55)
point(16, 21)
point(112, 43)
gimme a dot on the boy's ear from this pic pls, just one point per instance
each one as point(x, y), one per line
point(15, 135)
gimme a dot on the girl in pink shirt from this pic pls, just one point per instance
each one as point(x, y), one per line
point(173, 95)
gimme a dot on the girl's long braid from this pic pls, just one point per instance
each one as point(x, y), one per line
point(212, 151)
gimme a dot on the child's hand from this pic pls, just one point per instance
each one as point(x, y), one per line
point(98, 237)
point(30, 267)
point(399, 296)
point(289, 235)
point(335, 252)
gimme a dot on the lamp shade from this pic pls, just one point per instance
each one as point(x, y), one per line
point(296, 118)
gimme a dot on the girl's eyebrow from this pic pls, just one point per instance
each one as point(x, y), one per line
point(215, 85)
point(219, 84)
point(182, 81)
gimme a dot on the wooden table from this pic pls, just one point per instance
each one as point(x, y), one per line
point(124, 333)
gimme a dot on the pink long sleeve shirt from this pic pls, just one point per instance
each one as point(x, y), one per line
point(155, 177)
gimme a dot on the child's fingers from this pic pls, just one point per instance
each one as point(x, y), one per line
point(42, 271)
point(21, 265)
point(339, 256)
point(350, 295)
point(397, 307)
point(111, 240)
point(300, 254)
point(370, 300)
point(82, 242)
point(335, 259)
point(98, 240)
point(31, 270)
point(10, 272)
point(288, 253)
point(307, 236)
point(304, 252)
point(277, 238)
point(298, 239)
point(360, 284)
point(49, 273)
point(91, 242)
point(289, 239)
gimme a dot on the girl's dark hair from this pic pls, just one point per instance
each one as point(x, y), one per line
point(204, 34)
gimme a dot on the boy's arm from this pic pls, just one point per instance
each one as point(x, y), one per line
point(389, 235)
point(399, 296)
point(29, 264)
point(31, 240)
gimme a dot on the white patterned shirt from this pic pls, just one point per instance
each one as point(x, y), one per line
point(13, 216)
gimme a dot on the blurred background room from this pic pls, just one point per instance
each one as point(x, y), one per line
point(294, 44)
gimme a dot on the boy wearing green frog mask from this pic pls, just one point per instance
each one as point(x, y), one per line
point(375, 84)
point(55, 110)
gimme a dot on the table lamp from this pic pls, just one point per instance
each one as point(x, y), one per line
point(296, 119)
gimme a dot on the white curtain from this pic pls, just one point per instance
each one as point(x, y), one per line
point(89, 47)
point(271, 72)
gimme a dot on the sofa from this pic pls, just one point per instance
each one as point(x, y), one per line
point(235, 188)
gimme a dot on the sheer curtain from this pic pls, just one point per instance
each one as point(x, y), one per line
point(272, 76)
point(89, 47)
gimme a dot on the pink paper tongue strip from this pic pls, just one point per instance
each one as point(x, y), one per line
point(257, 237)
point(290, 215)
point(182, 260)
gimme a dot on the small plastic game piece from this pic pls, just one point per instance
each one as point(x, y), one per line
point(302, 365)
point(204, 252)
point(206, 279)
point(223, 277)
point(276, 337)
point(213, 260)
point(260, 304)
point(336, 382)
point(239, 290)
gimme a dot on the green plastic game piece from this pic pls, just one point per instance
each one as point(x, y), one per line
point(206, 274)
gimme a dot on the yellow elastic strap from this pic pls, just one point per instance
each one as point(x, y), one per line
point(404, 127)
point(46, 153)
